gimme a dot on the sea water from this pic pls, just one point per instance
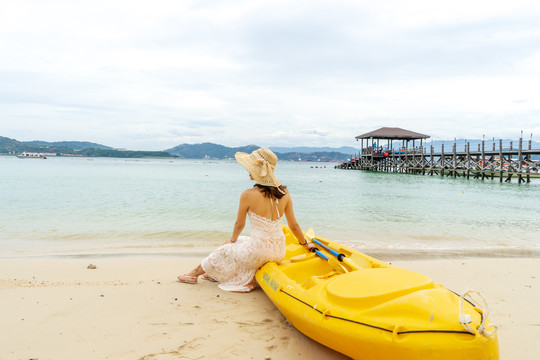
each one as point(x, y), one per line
point(102, 206)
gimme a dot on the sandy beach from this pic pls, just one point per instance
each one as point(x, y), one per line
point(132, 308)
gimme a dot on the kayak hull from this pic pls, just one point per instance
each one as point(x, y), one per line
point(368, 309)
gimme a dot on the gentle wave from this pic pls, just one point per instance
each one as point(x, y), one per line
point(430, 253)
point(201, 250)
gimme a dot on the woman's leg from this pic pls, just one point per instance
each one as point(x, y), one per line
point(191, 277)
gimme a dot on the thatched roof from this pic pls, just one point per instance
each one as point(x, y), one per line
point(392, 134)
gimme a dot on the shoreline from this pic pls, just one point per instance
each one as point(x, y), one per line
point(385, 254)
point(130, 307)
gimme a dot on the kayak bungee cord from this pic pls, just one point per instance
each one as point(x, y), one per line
point(374, 326)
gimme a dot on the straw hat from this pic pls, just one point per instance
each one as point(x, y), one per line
point(260, 164)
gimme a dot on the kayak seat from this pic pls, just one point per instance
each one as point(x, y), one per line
point(376, 285)
point(315, 280)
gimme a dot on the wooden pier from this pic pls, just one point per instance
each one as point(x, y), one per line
point(482, 163)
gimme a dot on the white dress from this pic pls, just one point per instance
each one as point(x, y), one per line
point(234, 264)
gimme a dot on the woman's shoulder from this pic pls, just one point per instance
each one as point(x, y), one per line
point(287, 195)
point(250, 192)
point(286, 191)
point(255, 192)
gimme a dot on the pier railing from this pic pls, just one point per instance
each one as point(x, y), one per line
point(486, 162)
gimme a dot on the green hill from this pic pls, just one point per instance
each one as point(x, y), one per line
point(83, 148)
point(9, 146)
point(313, 156)
point(208, 150)
point(186, 151)
point(75, 145)
point(12, 146)
point(215, 151)
point(124, 153)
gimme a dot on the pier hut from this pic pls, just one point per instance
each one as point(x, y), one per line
point(380, 153)
point(390, 134)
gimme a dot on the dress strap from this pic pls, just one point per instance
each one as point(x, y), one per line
point(277, 209)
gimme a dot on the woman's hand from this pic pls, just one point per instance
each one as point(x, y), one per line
point(310, 246)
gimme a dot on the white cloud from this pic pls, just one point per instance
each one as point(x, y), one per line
point(152, 75)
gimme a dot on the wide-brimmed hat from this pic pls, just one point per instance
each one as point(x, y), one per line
point(260, 164)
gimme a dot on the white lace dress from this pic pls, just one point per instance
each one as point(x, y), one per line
point(234, 265)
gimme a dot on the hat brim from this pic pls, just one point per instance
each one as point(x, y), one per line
point(243, 159)
point(248, 162)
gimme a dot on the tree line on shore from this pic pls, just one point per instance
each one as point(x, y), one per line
point(185, 151)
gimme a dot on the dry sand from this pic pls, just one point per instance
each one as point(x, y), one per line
point(132, 308)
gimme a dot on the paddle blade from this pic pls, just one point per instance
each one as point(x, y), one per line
point(351, 264)
point(310, 234)
point(340, 269)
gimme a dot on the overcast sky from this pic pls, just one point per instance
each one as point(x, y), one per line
point(149, 75)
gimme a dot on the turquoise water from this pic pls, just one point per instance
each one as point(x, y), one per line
point(77, 206)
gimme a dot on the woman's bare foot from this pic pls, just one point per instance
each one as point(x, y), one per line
point(187, 279)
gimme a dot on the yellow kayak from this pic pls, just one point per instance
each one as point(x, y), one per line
point(368, 309)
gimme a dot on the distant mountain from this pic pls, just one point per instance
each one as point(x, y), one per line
point(215, 151)
point(12, 146)
point(79, 148)
point(8, 145)
point(306, 150)
point(313, 156)
point(124, 153)
point(208, 150)
point(75, 145)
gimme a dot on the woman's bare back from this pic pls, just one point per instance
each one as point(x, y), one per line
point(264, 206)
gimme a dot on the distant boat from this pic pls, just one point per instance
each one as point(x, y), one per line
point(31, 155)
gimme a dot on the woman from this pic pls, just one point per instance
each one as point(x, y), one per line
point(234, 264)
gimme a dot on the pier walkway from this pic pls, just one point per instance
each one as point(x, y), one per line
point(504, 163)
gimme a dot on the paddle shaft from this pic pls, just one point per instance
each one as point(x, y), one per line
point(331, 251)
point(331, 261)
point(319, 254)
point(340, 257)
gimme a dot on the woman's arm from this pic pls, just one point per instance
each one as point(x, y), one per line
point(241, 217)
point(293, 225)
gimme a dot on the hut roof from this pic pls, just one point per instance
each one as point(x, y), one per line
point(392, 133)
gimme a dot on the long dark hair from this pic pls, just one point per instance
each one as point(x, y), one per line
point(271, 191)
